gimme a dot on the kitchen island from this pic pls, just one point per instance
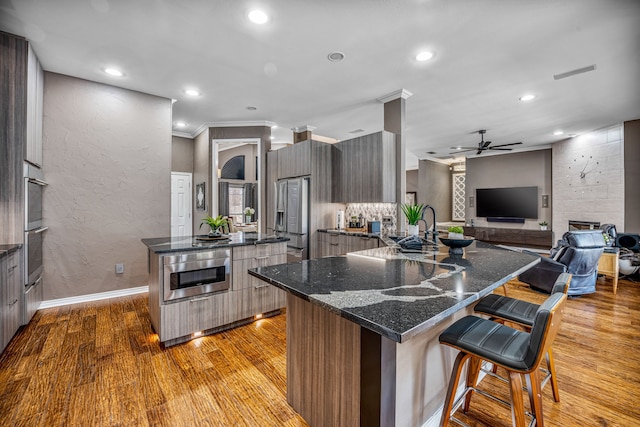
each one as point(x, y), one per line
point(199, 285)
point(362, 330)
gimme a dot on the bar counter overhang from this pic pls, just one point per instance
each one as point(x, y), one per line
point(362, 330)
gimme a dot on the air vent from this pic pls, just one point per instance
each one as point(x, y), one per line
point(574, 72)
point(357, 131)
point(431, 152)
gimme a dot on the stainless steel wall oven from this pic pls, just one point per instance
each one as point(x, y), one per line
point(197, 273)
point(34, 229)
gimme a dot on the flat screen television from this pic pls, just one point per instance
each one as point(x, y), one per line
point(512, 202)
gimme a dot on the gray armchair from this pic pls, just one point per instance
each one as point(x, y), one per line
point(577, 253)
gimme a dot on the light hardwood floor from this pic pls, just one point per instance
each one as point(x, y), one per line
point(100, 364)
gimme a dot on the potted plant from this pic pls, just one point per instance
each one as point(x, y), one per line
point(456, 232)
point(543, 225)
point(413, 213)
point(248, 213)
point(215, 224)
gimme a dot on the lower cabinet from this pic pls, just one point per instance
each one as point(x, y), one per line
point(332, 244)
point(32, 300)
point(11, 288)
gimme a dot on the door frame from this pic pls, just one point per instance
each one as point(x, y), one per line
point(189, 203)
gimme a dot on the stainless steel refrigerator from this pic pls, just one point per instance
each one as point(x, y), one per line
point(292, 216)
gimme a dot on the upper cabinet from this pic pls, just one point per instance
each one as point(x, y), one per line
point(364, 169)
point(295, 160)
point(35, 86)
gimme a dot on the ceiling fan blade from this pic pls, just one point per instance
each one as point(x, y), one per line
point(500, 149)
point(485, 145)
point(479, 152)
point(463, 148)
point(506, 145)
point(462, 151)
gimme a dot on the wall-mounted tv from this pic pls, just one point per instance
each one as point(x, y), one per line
point(512, 202)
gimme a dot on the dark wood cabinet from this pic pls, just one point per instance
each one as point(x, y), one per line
point(364, 169)
point(542, 239)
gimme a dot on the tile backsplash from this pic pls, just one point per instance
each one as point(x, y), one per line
point(374, 212)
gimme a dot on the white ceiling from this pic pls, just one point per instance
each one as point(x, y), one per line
point(488, 54)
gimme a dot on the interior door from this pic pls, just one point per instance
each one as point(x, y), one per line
point(181, 224)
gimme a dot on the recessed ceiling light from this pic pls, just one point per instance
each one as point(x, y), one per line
point(250, 108)
point(192, 92)
point(272, 137)
point(113, 72)
point(274, 126)
point(180, 124)
point(527, 97)
point(258, 17)
point(424, 56)
point(335, 56)
point(558, 132)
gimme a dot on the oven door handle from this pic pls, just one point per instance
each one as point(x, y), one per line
point(38, 181)
point(40, 230)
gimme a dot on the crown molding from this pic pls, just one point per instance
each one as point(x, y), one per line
point(181, 134)
point(400, 93)
point(206, 125)
point(305, 128)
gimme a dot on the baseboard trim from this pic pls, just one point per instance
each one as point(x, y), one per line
point(93, 297)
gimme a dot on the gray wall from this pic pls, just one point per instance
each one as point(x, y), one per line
point(531, 168)
point(107, 153)
point(434, 188)
point(181, 154)
point(632, 177)
point(201, 173)
point(412, 183)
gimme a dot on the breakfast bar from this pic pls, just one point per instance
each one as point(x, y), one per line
point(362, 329)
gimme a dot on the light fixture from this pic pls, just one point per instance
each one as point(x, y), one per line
point(272, 137)
point(274, 127)
point(424, 56)
point(335, 56)
point(258, 316)
point(197, 334)
point(180, 124)
point(113, 72)
point(527, 97)
point(192, 92)
point(558, 132)
point(258, 17)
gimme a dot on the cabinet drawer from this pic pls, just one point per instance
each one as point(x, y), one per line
point(186, 317)
point(242, 280)
point(260, 250)
point(265, 298)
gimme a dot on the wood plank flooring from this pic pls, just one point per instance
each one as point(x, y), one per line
point(100, 364)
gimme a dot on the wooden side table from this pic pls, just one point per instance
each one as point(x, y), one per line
point(608, 265)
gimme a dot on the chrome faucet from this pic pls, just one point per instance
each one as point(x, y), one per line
point(426, 224)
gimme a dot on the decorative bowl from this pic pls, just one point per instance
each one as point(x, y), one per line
point(456, 245)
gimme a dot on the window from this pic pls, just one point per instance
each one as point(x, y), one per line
point(236, 203)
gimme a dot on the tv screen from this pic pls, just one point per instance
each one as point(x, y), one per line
point(512, 202)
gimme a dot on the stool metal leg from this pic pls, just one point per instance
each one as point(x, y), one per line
point(517, 402)
point(453, 385)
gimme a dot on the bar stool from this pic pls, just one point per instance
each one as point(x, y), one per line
point(519, 352)
point(505, 309)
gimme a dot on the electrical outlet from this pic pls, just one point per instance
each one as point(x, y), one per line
point(119, 268)
point(387, 220)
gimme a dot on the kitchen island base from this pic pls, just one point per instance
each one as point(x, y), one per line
point(342, 374)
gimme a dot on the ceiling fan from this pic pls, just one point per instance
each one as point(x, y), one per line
point(483, 145)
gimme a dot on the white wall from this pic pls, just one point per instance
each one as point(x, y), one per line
point(107, 156)
point(600, 195)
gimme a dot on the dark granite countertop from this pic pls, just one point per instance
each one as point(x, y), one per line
point(396, 294)
point(6, 249)
point(193, 243)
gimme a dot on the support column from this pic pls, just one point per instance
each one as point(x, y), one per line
point(394, 121)
point(302, 133)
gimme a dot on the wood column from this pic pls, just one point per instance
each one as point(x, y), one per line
point(302, 133)
point(394, 121)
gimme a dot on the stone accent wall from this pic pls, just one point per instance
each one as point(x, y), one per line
point(599, 196)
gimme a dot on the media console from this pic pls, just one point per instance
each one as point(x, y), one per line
point(540, 239)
